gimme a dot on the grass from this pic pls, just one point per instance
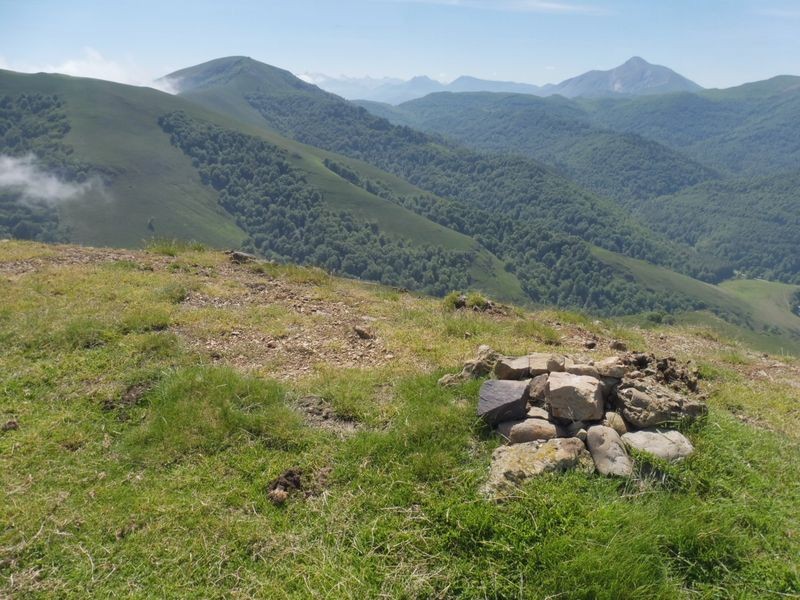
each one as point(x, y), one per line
point(206, 409)
point(756, 312)
point(162, 492)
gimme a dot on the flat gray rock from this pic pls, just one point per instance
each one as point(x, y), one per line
point(541, 363)
point(500, 401)
point(666, 444)
point(581, 369)
point(608, 452)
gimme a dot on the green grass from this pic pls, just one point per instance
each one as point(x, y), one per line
point(756, 312)
point(206, 409)
point(163, 493)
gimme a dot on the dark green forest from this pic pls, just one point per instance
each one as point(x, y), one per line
point(622, 166)
point(35, 124)
point(752, 223)
point(286, 219)
point(525, 192)
point(553, 268)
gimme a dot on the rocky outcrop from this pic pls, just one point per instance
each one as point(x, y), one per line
point(608, 452)
point(609, 405)
point(512, 465)
point(663, 443)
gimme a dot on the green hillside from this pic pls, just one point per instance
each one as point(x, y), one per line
point(516, 207)
point(622, 166)
point(753, 129)
point(149, 181)
point(750, 223)
point(757, 312)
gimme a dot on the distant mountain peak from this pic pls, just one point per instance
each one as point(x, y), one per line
point(635, 77)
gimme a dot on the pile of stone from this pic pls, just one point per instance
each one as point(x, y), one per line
point(558, 413)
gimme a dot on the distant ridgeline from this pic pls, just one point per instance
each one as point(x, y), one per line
point(35, 124)
point(285, 217)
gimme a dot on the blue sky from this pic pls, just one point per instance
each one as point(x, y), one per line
point(718, 43)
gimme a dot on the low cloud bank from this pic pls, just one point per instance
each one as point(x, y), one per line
point(93, 64)
point(24, 175)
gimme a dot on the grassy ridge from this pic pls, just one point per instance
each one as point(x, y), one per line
point(115, 126)
point(141, 462)
point(756, 311)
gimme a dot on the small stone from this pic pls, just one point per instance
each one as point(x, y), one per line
point(581, 369)
point(541, 364)
point(619, 346)
point(666, 444)
point(450, 379)
point(590, 344)
point(241, 257)
point(537, 390)
point(11, 425)
point(572, 429)
point(615, 422)
point(527, 430)
point(364, 333)
point(278, 496)
point(537, 412)
point(611, 367)
point(608, 452)
point(501, 400)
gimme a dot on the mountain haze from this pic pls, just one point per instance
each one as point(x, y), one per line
point(636, 77)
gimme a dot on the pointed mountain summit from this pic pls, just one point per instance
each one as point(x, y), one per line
point(636, 77)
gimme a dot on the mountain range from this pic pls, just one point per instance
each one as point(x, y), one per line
point(619, 205)
point(636, 77)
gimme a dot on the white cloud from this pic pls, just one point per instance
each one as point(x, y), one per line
point(25, 176)
point(93, 64)
point(532, 6)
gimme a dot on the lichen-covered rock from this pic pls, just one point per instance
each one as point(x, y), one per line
point(511, 465)
point(666, 444)
point(648, 405)
point(575, 397)
point(500, 401)
point(528, 430)
point(608, 452)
